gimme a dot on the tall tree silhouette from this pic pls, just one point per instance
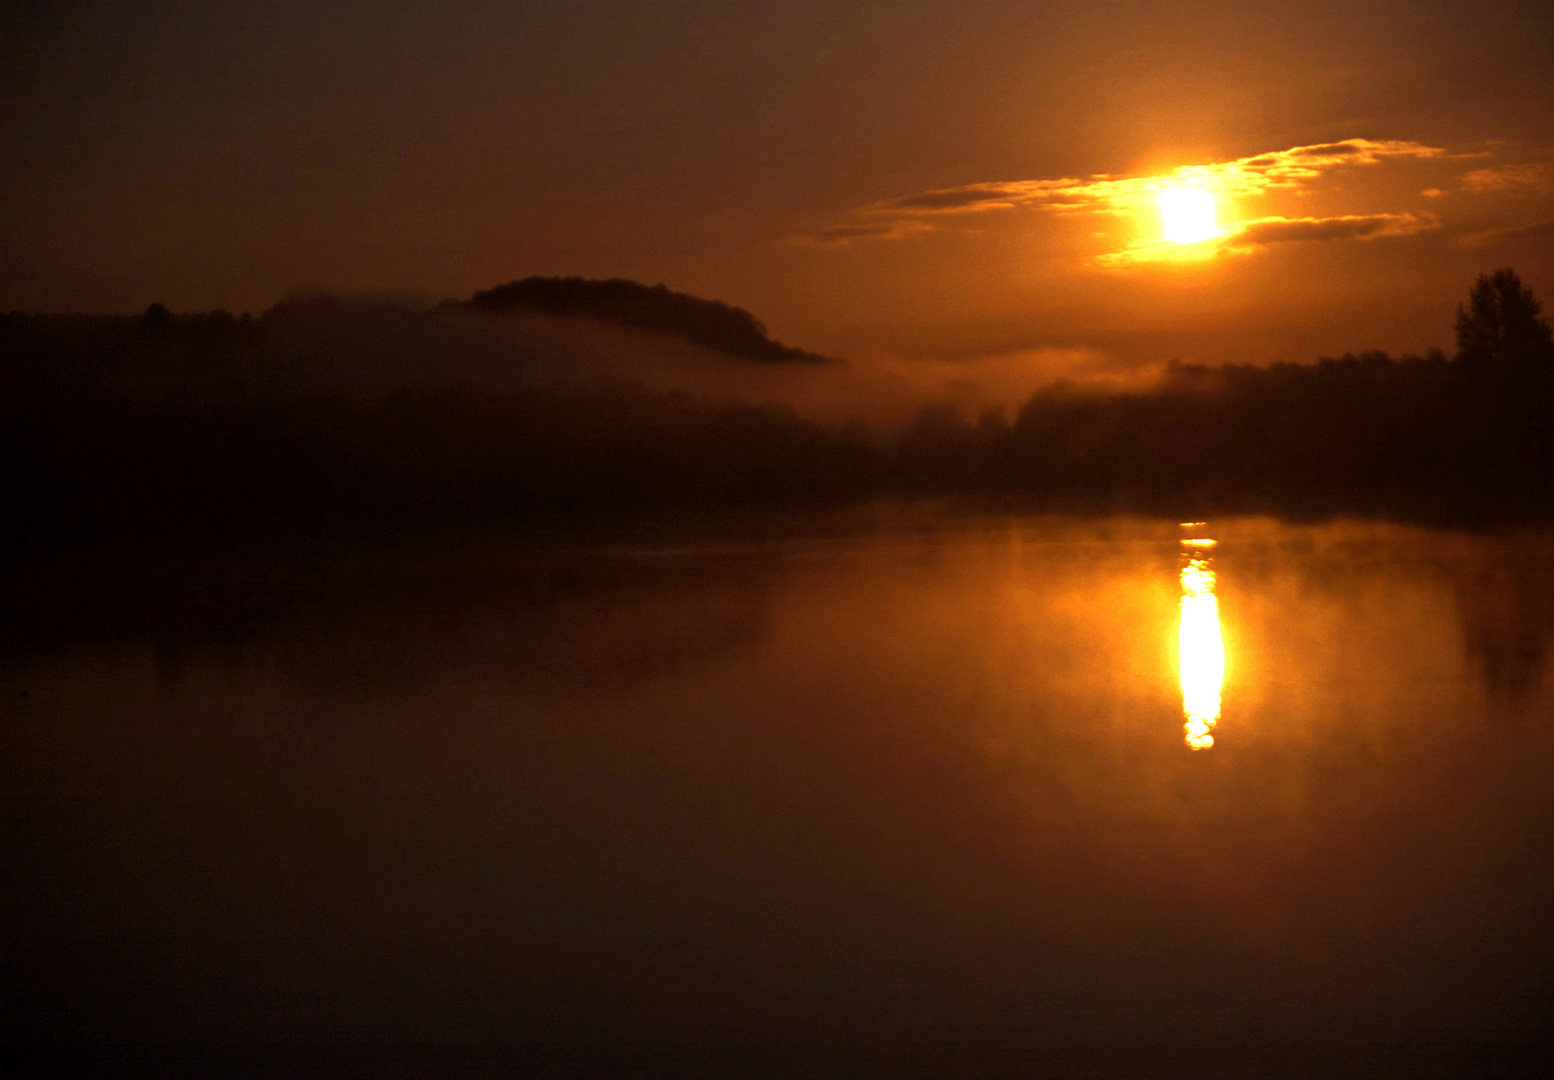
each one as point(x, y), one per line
point(1502, 324)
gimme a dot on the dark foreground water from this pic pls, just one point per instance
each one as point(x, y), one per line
point(911, 803)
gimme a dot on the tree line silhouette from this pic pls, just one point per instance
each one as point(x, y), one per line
point(140, 428)
point(1467, 439)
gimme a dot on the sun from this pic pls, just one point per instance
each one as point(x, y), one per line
point(1187, 215)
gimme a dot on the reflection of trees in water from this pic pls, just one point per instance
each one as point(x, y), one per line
point(366, 622)
point(1506, 602)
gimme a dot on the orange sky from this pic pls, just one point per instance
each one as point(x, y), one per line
point(969, 182)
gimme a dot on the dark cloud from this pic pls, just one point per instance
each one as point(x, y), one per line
point(974, 196)
point(1542, 230)
point(856, 232)
point(1351, 227)
point(842, 235)
point(1275, 232)
point(1536, 176)
point(1338, 149)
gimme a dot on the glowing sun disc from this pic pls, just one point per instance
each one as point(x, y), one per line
point(1187, 215)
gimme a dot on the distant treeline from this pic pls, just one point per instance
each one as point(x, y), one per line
point(1416, 438)
point(1470, 439)
point(115, 429)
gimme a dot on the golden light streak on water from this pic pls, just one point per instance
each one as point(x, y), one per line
point(1202, 651)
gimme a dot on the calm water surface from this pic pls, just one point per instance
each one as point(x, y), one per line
point(913, 802)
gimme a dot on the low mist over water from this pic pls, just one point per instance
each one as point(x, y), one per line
point(903, 800)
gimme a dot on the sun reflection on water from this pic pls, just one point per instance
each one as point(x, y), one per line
point(1202, 651)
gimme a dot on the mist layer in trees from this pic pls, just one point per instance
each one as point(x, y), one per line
point(151, 429)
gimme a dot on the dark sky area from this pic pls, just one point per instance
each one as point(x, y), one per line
point(911, 179)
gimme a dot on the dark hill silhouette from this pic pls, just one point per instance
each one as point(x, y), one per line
point(171, 430)
point(709, 323)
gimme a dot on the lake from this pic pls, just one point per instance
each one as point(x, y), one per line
point(910, 799)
